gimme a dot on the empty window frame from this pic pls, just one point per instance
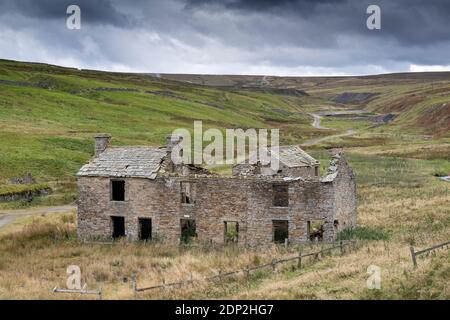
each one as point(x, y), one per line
point(186, 192)
point(315, 229)
point(231, 231)
point(117, 190)
point(118, 227)
point(280, 229)
point(280, 195)
point(145, 229)
point(188, 230)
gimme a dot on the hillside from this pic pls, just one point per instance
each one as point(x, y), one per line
point(394, 130)
point(48, 114)
point(421, 99)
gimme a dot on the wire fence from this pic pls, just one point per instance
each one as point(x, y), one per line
point(415, 253)
point(342, 245)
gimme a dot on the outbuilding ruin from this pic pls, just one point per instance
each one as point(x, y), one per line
point(138, 193)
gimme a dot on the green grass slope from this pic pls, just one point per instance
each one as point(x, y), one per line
point(49, 114)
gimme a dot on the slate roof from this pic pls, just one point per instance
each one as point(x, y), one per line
point(294, 156)
point(138, 162)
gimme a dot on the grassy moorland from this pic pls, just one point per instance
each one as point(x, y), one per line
point(49, 114)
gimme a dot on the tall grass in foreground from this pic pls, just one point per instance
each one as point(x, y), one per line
point(35, 258)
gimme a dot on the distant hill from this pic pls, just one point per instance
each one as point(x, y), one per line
point(48, 114)
point(420, 99)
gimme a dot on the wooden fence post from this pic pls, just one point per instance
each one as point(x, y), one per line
point(134, 285)
point(274, 265)
point(341, 247)
point(299, 263)
point(247, 272)
point(413, 256)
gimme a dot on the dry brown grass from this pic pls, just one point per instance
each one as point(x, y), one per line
point(418, 216)
point(35, 258)
point(345, 277)
point(32, 262)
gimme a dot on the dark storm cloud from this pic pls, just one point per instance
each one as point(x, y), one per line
point(229, 36)
point(408, 21)
point(305, 6)
point(94, 11)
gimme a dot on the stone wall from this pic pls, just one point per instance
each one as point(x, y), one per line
point(245, 169)
point(25, 195)
point(345, 196)
point(215, 200)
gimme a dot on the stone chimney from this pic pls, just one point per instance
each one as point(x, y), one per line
point(172, 140)
point(102, 142)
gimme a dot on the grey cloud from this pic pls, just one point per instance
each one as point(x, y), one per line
point(93, 12)
point(231, 36)
point(408, 21)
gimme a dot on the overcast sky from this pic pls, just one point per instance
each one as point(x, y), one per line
point(288, 37)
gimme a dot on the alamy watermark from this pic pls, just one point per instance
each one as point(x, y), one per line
point(231, 149)
point(374, 280)
point(73, 21)
point(73, 277)
point(373, 22)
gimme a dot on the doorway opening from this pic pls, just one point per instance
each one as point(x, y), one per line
point(231, 231)
point(315, 230)
point(118, 227)
point(145, 229)
point(280, 230)
point(188, 230)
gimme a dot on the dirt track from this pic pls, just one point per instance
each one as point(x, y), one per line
point(316, 124)
point(9, 216)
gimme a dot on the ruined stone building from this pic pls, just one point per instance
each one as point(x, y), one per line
point(138, 193)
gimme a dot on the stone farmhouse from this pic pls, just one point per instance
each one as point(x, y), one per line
point(138, 193)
